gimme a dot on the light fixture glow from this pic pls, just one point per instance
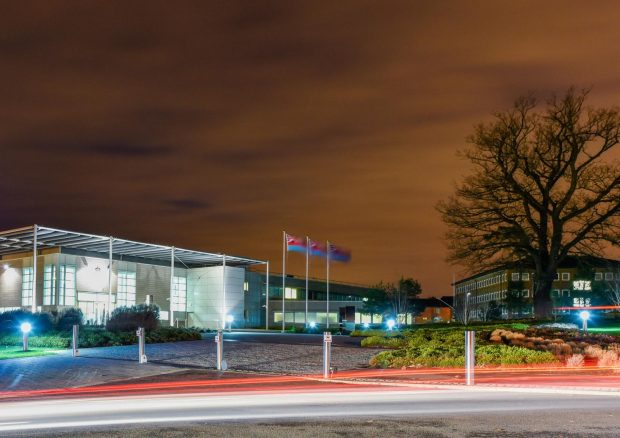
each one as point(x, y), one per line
point(390, 324)
point(26, 327)
point(312, 324)
point(229, 318)
point(366, 325)
point(5, 267)
point(584, 315)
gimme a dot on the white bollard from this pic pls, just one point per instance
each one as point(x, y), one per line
point(327, 354)
point(141, 349)
point(74, 343)
point(470, 356)
point(219, 342)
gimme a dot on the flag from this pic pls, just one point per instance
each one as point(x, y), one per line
point(339, 254)
point(317, 249)
point(297, 244)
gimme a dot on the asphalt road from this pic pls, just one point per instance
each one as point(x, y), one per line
point(303, 412)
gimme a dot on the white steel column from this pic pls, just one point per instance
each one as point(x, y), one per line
point(224, 292)
point(327, 316)
point(34, 270)
point(283, 275)
point(307, 265)
point(267, 300)
point(110, 278)
point(171, 285)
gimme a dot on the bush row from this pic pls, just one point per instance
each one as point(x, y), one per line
point(94, 337)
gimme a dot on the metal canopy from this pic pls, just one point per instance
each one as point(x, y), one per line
point(22, 240)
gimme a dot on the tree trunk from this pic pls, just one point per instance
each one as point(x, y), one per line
point(543, 305)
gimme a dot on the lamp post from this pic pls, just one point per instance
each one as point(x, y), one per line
point(584, 315)
point(25, 328)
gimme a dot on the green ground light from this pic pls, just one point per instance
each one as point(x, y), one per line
point(604, 330)
point(16, 352)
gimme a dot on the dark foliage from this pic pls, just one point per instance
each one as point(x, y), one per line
point(129, 318)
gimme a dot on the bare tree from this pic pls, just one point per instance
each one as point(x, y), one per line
point(401, 296)
point(612, 290)
point(542, 187)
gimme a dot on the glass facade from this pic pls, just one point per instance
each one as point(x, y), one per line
point(126, 294)
point(179, 294)
point(67, 285)
point(49, 285)
point(27, 286)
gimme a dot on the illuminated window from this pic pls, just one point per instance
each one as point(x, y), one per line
point(525, 293)
point(515, 276)
point(126, 294)
point(49, 285)
point(598, 276)
point(565, 276)
point(179, 294)
point(582, 285)
point(290, 293)
point(27, 287)
point(609, 276)
point(557, 276)
point(246, 286)
point(67, 285)
point(525, 276)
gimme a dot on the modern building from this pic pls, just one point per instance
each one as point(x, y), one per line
point(345, 302)
point(433, 310)
point(579, 282)
point(47, 269)
point(191, 288)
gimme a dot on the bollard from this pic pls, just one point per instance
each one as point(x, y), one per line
point(470, 356)
point(141, 352)
point(74, 343)
point(219, 342)
point(327, 354)
point(25, 341)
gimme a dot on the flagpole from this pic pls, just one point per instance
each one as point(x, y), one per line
point(327, 285)
point(307, 251)
point(283, 275)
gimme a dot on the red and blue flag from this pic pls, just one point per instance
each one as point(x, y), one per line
point(317, 249)
point(339, 254)
point(295, 244)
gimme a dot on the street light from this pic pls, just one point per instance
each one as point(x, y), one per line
point(25, 328)
point(584, 315)
point(390, 324)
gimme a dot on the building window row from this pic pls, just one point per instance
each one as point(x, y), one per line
point(126, 293)
point(179, 294)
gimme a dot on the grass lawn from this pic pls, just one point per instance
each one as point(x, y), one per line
point(16, 352)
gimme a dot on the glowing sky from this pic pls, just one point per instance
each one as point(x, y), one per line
point(216, 125)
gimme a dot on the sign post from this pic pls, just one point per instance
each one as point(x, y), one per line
point(141, 350)
point(327, 354)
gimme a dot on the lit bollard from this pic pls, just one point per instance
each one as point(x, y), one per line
point(470, 356)
point(141, 352)
point(219, 343)
point(25, 327)
point(327, 354)
point(74, 343)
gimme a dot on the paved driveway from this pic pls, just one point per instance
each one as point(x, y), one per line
point(284, 354)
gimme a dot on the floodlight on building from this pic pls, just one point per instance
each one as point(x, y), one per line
point(390, 324)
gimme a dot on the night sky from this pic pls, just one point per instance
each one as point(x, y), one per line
point(216, 125)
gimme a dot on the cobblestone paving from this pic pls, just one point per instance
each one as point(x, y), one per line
point(101, 365)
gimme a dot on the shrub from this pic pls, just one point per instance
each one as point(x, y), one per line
point(70, 317)
point(608, 358)
point(378, 341)
point(131, 317)
point(11, 320)
point(50, 341)
point(505, 355)
point(375, 332)
point(575, 361)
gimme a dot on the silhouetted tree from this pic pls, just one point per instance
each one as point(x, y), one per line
point(541, 188)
